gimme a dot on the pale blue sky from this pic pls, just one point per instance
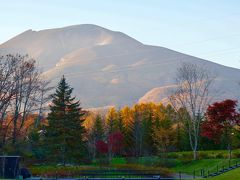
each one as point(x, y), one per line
point(209, 29)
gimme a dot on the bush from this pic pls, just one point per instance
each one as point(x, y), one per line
point(219, 156)
point(102, 161)
point(205, 155)
point(148, 161)
point(86, 161)
point(131, 160)
point(236, 155)
point(174, 155)
point(183, 155)
point(163, 171)
point(166, 163)
point(60, 171)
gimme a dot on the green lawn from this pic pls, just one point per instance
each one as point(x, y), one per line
point(232, 175)
point(210, 165)
point(183, 165)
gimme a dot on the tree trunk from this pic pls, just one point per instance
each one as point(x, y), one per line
point(14, 134)
point(110, 153)
point(195, 154)
point(229, 152)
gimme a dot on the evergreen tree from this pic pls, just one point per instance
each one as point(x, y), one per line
point(111, 121)
point(137, 132)
point(97, 134)
point(128, 125)
point(120, 123)
point(98, 130)
point(64, 133)
point(147, 124)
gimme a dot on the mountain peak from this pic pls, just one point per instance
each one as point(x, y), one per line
point(75, 34)
point(108, 67)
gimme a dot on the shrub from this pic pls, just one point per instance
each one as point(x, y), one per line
point(86, 161)
point(148, 161)
point(166, 163)
point(219, 155)
point(163, 171)
point(204, 155)
point(131, 160)
point(102, 161)
point(174, 155)
point(185, 155)
point(60, 171)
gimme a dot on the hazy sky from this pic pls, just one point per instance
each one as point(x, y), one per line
point(209, 29)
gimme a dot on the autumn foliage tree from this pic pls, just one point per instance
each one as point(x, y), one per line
point(20, 89)
point(222, 119)
point(164, 132)
point(102, 147)
point(112, 146)
point(142, 130)
point(115, 144)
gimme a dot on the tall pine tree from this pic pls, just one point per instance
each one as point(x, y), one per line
point(64, 133)
point(98, 130)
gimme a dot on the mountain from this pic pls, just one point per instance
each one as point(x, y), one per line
point(110, 68)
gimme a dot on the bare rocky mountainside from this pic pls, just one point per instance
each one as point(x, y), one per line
point(110, 68)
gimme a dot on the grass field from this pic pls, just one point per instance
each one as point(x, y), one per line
point(208, 165)
point(231, 175)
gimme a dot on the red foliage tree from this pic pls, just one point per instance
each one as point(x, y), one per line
point(113, 146)
point(102, 147)
point(222, 117)
point(115, 142)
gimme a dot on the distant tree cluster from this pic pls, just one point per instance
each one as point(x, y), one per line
point(142, 130)
point(154, 129)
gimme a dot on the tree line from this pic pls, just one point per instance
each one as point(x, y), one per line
point(70, 134)
point(154, 129)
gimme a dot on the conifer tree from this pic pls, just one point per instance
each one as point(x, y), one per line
point(97, 134)
point(128, 125)
point(111, 121)
point(64, 133)
point(137, 131)
point(147, 124)
point(98, 130)
point(120, 123)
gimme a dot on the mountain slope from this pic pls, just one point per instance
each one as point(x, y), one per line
point(110, 68)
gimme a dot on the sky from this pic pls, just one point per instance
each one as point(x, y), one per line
point(209, 29)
